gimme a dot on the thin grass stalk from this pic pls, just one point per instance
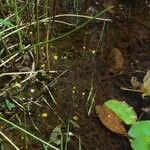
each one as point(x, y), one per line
point(91, 104)
point(61, 144)
point(10, 18)
point(50, 31)
point(101, 37)
point(18, 22)
point(25, 124)
point(1, 7)
point(67, 135)
point(66, 34)
point(47, 51)
point(7, 50)
point(30, 134)
point(9, 59)
point(74, 30)
point(47, 37)
point(76, 7)
point(37, 48)
point(28, 10)
point(4, 136)
point(23, 26)
point(80, 147)
point(53, 20)
point(5, 46)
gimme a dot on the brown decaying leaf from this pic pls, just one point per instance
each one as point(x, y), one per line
point(118, 61)
point(110, 119)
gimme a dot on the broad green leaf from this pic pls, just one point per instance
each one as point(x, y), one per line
point(5, 23)
point(122, 110)
point(140, 133)
point(140, 128)
point(140, 144)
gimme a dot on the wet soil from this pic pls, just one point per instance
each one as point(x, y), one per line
point(83, 67)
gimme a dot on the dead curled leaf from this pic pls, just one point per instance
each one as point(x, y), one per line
point(118, 61)
point(110, 119)
point(145, 88)
point(135, 83)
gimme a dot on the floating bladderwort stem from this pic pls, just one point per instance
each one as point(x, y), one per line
point(68, 33)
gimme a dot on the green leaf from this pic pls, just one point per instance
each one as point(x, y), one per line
point(140, 128)
point(140, 132)
point(8, 105)
point(6, 23)
point(122, 110)
point(140, 144)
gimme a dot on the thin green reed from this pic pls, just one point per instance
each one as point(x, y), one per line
point(18, 23)
point(66, 34)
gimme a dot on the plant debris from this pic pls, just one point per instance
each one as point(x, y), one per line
point(118, 59)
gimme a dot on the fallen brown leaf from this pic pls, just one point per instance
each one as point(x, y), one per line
point(118, 61)
point(110, 119)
